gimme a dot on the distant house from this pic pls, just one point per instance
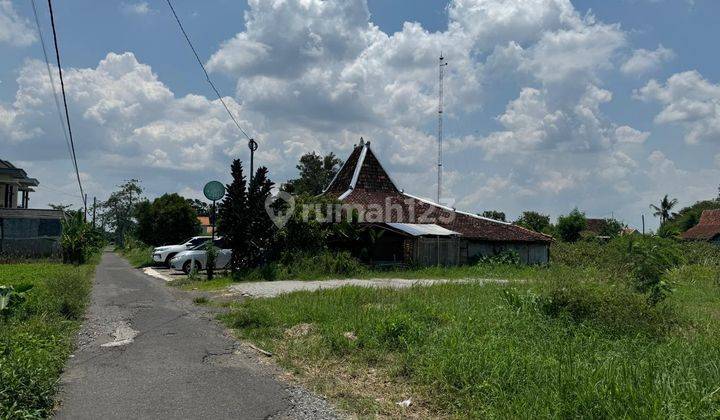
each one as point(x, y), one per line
point(205, 225)
point(419, 231)
point(708, 229)
point(25, 231)
point(596, 227)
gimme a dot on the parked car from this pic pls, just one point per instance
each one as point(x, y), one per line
point(184, 260)
point(163, 254)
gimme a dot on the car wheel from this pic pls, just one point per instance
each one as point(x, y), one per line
point(186, 267)
point(169, 257)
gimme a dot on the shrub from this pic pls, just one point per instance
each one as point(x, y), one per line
point(614, 308)
point(306, 266)
point(211, 257)
point(502, 258)
point(647, 260)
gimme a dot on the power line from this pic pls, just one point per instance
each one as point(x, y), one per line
point(67, 114)
point(207, 76)
point(52, 84)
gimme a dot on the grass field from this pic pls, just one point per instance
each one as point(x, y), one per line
point(569, 343)
point(37, 337)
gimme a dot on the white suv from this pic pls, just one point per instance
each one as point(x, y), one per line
point(163, 254)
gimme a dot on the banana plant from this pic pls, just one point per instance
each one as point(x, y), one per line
point(11, 297)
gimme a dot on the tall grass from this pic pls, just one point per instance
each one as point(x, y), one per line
point(137, 253)
point(554, 347)
point(37, 337)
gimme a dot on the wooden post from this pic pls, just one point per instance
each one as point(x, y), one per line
point(94, 206)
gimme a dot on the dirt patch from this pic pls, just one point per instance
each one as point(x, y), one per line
point(357, 388)
point(299, 330)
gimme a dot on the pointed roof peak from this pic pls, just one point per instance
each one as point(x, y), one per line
point(362, 170)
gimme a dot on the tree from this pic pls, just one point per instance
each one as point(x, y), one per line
point(316, 172)
point(118, 210)
point(261, 229)
point(534, 221)
point(570, 226)
point(169, 219)
point(686, 218)
point(611, 227)
point(233, 216)
point(494, 214)
point(201, 208)
point(663, 211)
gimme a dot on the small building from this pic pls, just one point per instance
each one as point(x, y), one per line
point(708, 229)
point(420, 231)
point(25, 232)
point(205, 225)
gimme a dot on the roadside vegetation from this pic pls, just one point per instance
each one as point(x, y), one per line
point(624, 329)
point(42, 303)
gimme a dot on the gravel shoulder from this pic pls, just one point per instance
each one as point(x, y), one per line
point(275, 288)
point(146, 351)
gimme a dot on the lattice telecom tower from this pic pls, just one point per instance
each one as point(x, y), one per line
point(440, 127)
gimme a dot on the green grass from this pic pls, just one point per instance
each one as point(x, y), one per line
point(140, 256)
point(37, 337)
point(567, 344)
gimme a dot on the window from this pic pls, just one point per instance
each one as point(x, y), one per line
point(198, 241)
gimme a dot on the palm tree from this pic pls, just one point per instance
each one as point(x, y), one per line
point(663, 211)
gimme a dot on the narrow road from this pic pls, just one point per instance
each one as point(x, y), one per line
point(145, 351)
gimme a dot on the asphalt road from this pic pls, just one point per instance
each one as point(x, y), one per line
point(145, 351)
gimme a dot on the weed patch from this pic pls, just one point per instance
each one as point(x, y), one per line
point(547, 348)
point(37, 337)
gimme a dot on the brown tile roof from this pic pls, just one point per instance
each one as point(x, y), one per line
point(382, 201)
point(595, 225)
point(707, 229)
point(204, 220)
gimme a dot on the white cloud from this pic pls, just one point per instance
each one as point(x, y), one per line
point(141, 8)
point(689, 100)
point(317, 75)
point(645, 61)
point(531, 123)
point(629, 135)
point(14, 30)
point(574, 53)
point(122, 109)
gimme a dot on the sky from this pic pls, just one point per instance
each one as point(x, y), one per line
point(549, 104)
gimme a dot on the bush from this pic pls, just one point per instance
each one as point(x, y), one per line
point(138, 253)
point(501, 258)
point(648, 259)
point(307, 266)
point(614, 308)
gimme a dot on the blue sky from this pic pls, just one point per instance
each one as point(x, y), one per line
point(552, 104)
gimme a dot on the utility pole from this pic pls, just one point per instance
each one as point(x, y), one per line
point(643, 224)
point(85, 203)
point(253, 146)
point(94, 207)
point(441, 76)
